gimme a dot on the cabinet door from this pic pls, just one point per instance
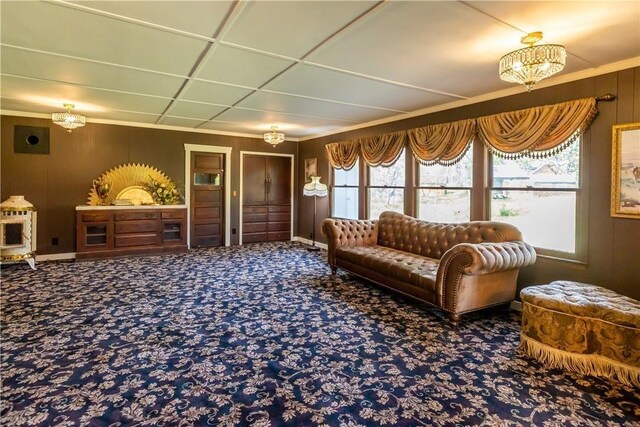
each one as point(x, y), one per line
point(254, 180)
point(279, 180)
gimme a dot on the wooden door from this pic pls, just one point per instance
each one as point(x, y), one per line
point(207, 199)
point(254, 180)
point(279, 180)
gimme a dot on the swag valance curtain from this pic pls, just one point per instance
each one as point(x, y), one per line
point(535, 131)
point(532, 132)
point(444, 143)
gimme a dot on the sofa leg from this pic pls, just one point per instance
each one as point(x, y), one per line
point(334, 270)
point(454, 318)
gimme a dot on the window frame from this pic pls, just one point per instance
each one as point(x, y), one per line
point(581, 204)
point(417, 187)
point(357, 169)
point(402, 157)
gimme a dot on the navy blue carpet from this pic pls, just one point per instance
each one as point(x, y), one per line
point(263, 335)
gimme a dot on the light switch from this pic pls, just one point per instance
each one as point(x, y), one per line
point(235, 193)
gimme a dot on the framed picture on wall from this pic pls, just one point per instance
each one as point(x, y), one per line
point(310, 169)
point(625, 171)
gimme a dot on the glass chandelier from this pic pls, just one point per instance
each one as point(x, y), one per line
point(274, 137)
point(531, 64)
point(68, 120)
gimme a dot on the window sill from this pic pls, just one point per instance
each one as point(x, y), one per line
point(577, 264)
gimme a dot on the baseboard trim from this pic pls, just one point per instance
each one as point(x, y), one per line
point(309, 242)
point(56, 257)
point(516, 305)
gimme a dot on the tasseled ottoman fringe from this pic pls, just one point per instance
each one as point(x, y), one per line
point(587, 364)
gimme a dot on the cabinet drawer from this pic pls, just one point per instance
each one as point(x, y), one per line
point(254, 227)
point(136, 227)
point(125, 216)
point(280, 208)
point(173, 214)
point(279, 235)
point(254, 218)
point(254, 237)
point(95, 217)
point(125, 240)
point(280, 217)
point(279, 226)
point(254, 209)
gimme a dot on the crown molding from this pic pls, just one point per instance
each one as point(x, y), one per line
point(554, 81)
point(142, 125)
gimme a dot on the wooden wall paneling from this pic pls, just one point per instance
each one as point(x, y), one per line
point(626, 232)
point(89, 151)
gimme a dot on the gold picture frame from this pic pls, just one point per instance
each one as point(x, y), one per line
point(625, 171)
point(310, 168)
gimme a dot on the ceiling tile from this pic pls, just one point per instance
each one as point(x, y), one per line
point(291, 28)
point(179, 121)
point(213, 93)
point(312, 107)
point(125, 116)
point(54, 94)
point(50, 67)
point(235, 66)
point(327, 84)
point(197, 17)
point(65, 30)
point(261, 121)
point(195, 110)
point(24, 105)
point(423, 44)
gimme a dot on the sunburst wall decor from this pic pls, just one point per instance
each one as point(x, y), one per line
point(128, 179)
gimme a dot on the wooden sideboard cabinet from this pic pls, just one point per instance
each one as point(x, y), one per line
point(109, 231)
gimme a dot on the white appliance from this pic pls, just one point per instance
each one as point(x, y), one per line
point(18, 223)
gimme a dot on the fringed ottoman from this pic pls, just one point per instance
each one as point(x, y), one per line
point(582, 328)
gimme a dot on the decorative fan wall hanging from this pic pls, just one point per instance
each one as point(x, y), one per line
point(133, 184)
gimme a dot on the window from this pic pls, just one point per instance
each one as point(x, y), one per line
point(540, 197)
point(443, 193)
point(344, 203)
point(386, 188)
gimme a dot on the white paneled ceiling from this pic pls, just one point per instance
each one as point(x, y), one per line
point(310, 67)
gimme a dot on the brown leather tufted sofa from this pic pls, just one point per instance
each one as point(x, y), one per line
point(457, 267)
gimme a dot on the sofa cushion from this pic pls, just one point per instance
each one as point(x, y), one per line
point(418, 270)
point(432, 239)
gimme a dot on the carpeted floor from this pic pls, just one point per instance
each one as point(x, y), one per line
point(264, 335)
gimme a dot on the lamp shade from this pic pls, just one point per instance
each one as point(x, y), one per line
point(315, 188)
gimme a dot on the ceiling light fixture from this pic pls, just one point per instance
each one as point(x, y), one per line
point(274, 137)
point(531, 64)
point(68, 120)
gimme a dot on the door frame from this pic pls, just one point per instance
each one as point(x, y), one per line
point(267, 154)
point(191, 148)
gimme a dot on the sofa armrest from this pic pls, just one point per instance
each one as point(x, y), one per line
point(348, 232)
point(492, 257)
point(475, 259)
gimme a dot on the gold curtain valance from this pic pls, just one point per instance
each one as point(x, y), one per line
point(382, 150)
point(535, 131)
point(343, 155)
point(444, 143)
point(532, 132)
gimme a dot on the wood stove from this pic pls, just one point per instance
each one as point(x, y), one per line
point(18, 223)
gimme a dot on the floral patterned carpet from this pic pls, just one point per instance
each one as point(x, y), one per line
point(264, 335)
